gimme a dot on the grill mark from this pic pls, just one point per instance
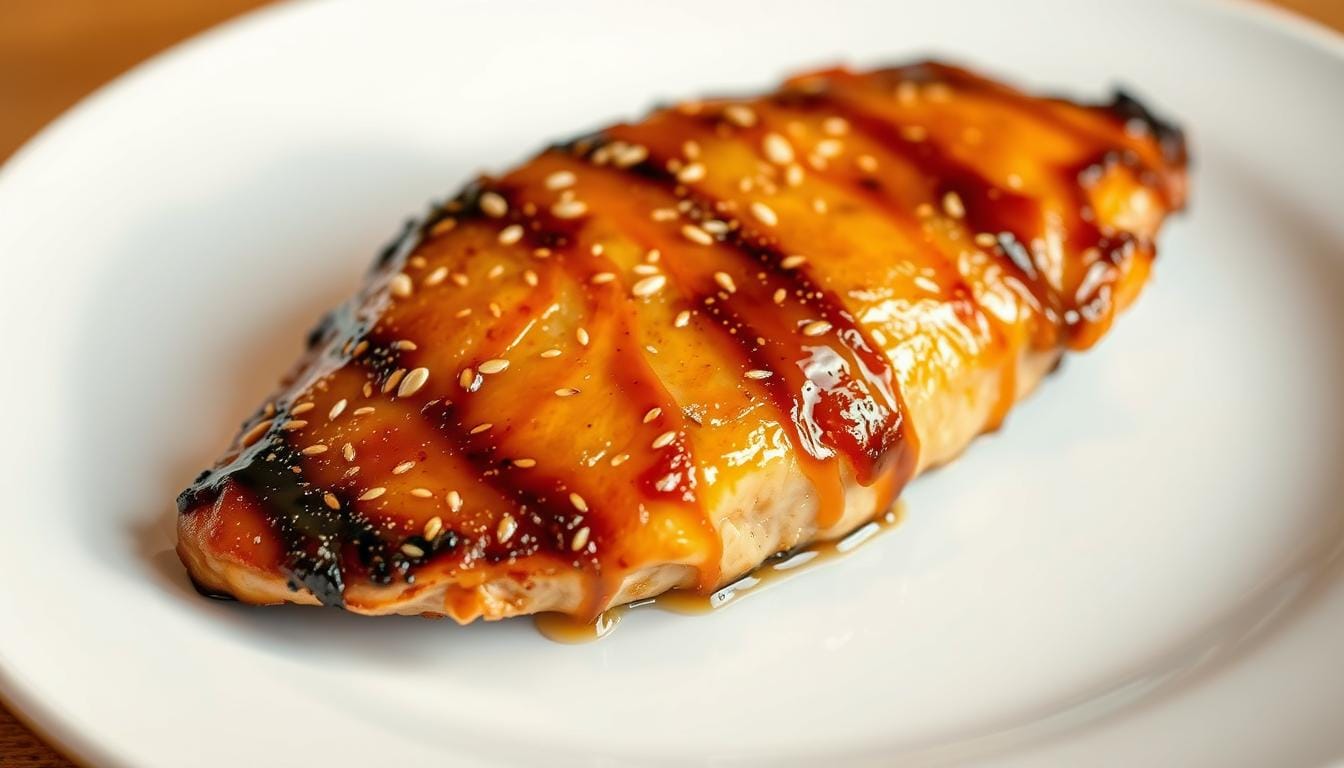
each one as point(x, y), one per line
point(633, 377)
point(889, 446)
point(1004, 213)
point(988, 208)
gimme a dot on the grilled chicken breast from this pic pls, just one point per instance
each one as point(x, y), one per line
point(655, 356)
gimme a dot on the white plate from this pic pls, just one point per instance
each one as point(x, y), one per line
point(1140, 569)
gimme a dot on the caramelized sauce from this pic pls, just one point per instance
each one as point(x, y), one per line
point(566, 629)
point(492, 403)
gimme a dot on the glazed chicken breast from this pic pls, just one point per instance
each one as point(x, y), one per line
point(655, 356)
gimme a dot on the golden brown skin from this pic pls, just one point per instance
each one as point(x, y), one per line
point(656, 356)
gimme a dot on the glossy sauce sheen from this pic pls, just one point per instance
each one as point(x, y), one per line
point(619, 249)
point(568, 629)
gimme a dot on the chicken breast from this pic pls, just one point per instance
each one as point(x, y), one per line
point(655, 356)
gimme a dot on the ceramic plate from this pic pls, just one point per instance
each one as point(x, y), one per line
point(1141, 568)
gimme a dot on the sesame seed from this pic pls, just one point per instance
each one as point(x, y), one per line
point(443, 225)
point(461, 313)
point(360, 348)
point(401, 285)
point(597, 249)
point(835, 126)
point(403, 467)
point(725, 281)
point(363, 411)
point(645, 269)
point(633, 154)
point(582, 335)
point(436, 277)
point(578, 502)
point(758, 374)
point(690, 149)
point(560, 180)
point(867, 163)
point(254, 434)
point(819, 205)
point(715, 227)
point(986, 240)
point(580, 539)
point(663, 214)
point(494, 205)
point(566, 392)
point(663, 440)
point(454, 500)
point(506, 528)
point(653, 255)
point(829, 148)
point(405, 345)
point(393, 380)
point(793, 175)
point(314, 450)
point(792, 262)
point(549, 353)
point(530, 278)
point(816, 328)
point(764, 214)
point(780, 295)
point(511, 234)
point(293, 424)
point(923, 210)
point(652, 414)
point(302, 408)
point(648, 286)
point(433, 527)
point(413, 382)
point(331, 501)
point(739, 115)
point(367, 389)
point(524, 463)
point(777, 149)
point(460, 279)
point(915, 133)
point(619, 459)
point(696, 234)
point(493, 365)
point(682, 319)
point(479, 428)
point(953, 206)
point(348, 451)
point(691, 173)
point(422, 493)
point(569, 209)
point(411, 550)
point(907, 92)
point(495, 311)
point(1014, 181)
point(602, 278)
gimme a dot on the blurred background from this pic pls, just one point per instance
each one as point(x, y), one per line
point(55, 52)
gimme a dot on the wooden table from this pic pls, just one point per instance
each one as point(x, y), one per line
point(54, 52)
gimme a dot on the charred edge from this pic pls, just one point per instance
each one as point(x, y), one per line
point(1170, 137)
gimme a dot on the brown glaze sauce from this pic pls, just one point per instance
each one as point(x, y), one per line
point(392, 450)
point(563, 628)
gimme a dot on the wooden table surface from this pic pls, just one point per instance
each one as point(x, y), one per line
point(54, 52)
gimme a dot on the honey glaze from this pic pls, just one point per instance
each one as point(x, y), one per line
point(563, 628)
